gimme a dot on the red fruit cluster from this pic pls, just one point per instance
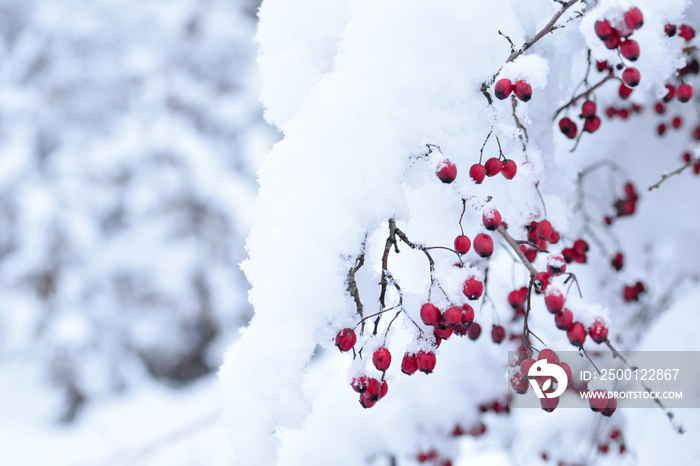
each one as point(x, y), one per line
point(615, 436)
point(453, 320)
point(623, 112)
point(684, 31)
point(600, 403)
point(618, 38)
point(576, 253)
point(521, 88)
point(493, 166)
point(520, 377)
point(591, 121)
point(631, 293)
point(370, 389)
point(627, 205)
point(539, 234)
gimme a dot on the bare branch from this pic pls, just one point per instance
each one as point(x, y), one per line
point(678, 171)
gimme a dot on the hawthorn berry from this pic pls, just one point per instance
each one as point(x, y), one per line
point(567, 370)
point(541, 281)
point(631, 76)
point(467, 314)
point(659, 108)
point(510, 168)
point(523, 90)
point(426, 361)
point(613, 41)
point(345, 339)
point(549, 404)
point(518, 383)
point(503, 88)
point(366, 402)
point(685, 92)
point(687, 157)
point(630, 49)
point(491, 219)
point(661, 129)
point(474, 331)
point(601, 65)
point(409, 364)
point(529, 252)
point(598, 331)
point(556, 265)
point(525, 367)
point(624, 91)
point(462, 244)
point(446, 172)
point(580, 246)
point(686, 32)
point(477, 172)
point(498, 334)
point(588, 109)
point(443, 333)
point(473, 288)
point(634, 18)
point(564, 319)
point(359, 384)
point(554, 300)
point(676, 122)
point(493, 166)
point(592, 125)
point(670, 30)
point(576, 334)
point(381, 359)
point(549, 355)
point(670, 92)
point(544, 229)
point(568, 127)
point(603, 29)
point(617, 261)
point(483, 245)
point(451, 317)
point(429, 314)
point(516, 298)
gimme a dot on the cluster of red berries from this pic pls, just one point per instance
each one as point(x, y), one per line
point(618, 38)
point(591, 121)
point(687, 158)
point(631, 292)
point(520, 377)
point(370, 389)
point(627, 205)
point(623, 112)
point(684, 31)
point(614, 437)
point(433, 458)
point(601, 403)
point(447, 171)
point(576, 253)
point(521, 89)
point(539, 234)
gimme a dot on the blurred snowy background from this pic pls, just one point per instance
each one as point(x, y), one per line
point(130, 134)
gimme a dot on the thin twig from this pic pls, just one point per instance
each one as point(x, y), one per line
point(514, 245)
point(573, 100)
point(678, 171)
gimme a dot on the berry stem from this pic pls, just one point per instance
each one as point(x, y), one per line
point(523, 131)
point(677, 171)
point(574, 99)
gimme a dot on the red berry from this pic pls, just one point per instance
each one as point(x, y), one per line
point(609, 409)
point(477, 172)
point(568, 127)
point(426, 361)
point(613, 41)
point(696, 168)
point(580, 246)
point(498, 334)
point(576, 334)
point(544, 229)
point(516, 298)
point(493, 166)
point(670, 30)
point(503, 88)
point(409, 364)
point(446, 172)
point(623, 113)
point(659, 108)
point(567, 370)
point(442, 333)
point(624, 91)
point(491, 218)
point(483, 245)
point(462, 244)
point(564, 319)
point(685, 92)
point(529, 252)
point(588, 109)
point(556, 265)
point(345, 339)
point(603, 29)
point(523, 90)
point(631, 76)
point(597, 400)
point(554, 237)
point(617, 261)
point(451, 317)
point(374, 388)
point(510, 168)
point(359, 384)
point(474, 331)
point(549, 404)
point(661, 129)
point(676, 122)
point(525, 367)
point(381, 359)
point(549, 355)
point(592, 125)
point(518, 383)
point(554, 300)
point(366, 402)
point(601, 65)
point(429, 314)
point(473, 288)
point(598, 331)
point(670, 92)
point(630, 49)
point(634, 18)
point(384, 390)
point(541, 281)
point(686, 32)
